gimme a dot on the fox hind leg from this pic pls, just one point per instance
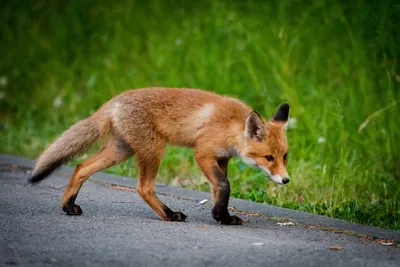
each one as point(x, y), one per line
point(114, 152)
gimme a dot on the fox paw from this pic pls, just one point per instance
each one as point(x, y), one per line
point(72, 209)
point(232, 220)
point(178, 217)
point(223, 217)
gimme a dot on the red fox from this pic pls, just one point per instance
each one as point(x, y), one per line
point(141, 122)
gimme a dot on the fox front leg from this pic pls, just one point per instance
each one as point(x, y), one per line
point(221, 193)
point(221, 190)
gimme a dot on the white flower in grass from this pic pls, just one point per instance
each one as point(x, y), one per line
point(57, 101)
point(3, 80)
point(292, 123)
point(178, 41)
point(321, 140)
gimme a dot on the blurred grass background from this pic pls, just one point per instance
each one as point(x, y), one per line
point(336, 62)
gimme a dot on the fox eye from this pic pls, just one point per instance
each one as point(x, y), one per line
point(269, 158)
point(285, 156)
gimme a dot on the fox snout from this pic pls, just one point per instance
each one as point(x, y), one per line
point(282, 180)
point(279, 179)
point(283, 177)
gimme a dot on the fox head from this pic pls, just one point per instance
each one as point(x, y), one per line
point(265, 144)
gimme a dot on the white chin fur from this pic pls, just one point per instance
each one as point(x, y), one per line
point(275, 178)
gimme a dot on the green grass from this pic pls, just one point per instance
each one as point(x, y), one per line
point(335, 62)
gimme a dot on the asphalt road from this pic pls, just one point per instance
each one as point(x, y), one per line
point(118, 229)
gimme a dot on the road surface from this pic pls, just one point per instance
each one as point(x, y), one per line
point(118, 229)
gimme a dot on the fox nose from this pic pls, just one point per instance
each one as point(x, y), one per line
point(285, 180)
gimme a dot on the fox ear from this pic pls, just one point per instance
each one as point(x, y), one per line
point(255, 127)
point(282, 114)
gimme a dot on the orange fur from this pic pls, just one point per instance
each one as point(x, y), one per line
point(142, 121)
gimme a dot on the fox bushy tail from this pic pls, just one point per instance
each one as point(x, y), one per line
point(71, 143)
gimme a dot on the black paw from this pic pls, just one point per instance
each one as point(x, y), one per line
point(178, 217)
point(222, 216)
point(232, 220)
point(72, 209)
